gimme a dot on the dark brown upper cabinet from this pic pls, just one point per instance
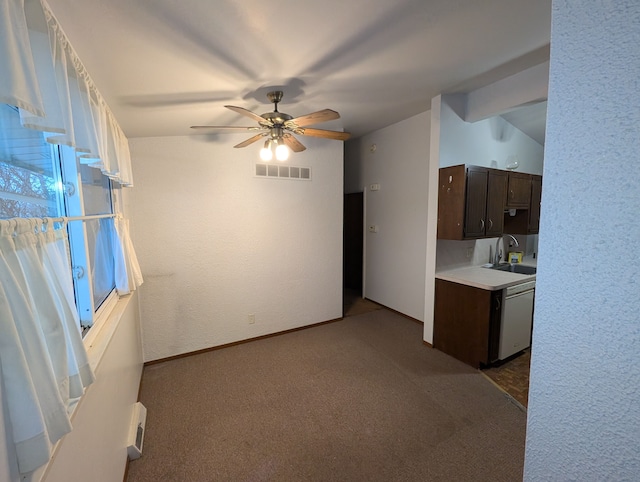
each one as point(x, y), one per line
point(519, 191)
point(476, 203)
point(471, 202)
point(496, 196)
point(534, 209)
point(526, 221)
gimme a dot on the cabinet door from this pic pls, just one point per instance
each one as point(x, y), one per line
point(462, 324)
point(476, 205)
point(496, 198)
point(534, 210)
point(519, 194)
point(451, 203)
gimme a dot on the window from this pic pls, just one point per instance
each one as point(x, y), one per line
point(38, 179)
point(30, 178)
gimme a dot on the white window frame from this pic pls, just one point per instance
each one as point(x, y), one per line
point(70, 201)
point(78, 246)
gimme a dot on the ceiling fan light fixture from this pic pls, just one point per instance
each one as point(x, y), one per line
point(266, 154)
point(279, 128)
point(282, 152)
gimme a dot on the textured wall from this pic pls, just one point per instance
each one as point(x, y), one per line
point(395, 255)
point(216, 243)
point(584, 418)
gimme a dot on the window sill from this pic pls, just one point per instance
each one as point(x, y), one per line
point(99, 336)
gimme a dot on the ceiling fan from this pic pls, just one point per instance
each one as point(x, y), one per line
point(278, 128)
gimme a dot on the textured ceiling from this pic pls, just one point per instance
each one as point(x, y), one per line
point(164, 65)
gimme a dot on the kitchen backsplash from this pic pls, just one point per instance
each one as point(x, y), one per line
point(459, 254)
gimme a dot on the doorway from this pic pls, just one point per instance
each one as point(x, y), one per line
point(352, 249)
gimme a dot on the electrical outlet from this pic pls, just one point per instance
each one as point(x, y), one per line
point(469, 253)
point(252, 319)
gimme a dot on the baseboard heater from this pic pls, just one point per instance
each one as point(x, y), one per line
point(136, 432)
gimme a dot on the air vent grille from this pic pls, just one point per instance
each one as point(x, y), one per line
point(274, 171)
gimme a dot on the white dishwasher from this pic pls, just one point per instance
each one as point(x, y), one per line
point(517, 319)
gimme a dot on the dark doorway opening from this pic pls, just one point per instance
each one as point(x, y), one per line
point(352, 246)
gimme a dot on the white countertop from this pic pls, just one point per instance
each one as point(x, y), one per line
point(484, 278)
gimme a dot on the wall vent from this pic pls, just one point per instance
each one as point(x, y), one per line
point(274, 171)
point(136, 431)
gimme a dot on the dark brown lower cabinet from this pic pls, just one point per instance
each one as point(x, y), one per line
point(467, 322)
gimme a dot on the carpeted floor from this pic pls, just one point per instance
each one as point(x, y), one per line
point(355, 304)
point(357, 399)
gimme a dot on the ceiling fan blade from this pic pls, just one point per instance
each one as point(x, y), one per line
point(249, 141)
point(248, 113)
point(313, 118)
point(292, 143)
point(227, 128)
point(338, 136)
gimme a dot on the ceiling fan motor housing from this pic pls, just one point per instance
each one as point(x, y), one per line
point(275, 118)
point(276, 133)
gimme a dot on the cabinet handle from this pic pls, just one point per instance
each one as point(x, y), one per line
point(490, 223)
point(498, 303)
point(482, 224)
point(511, 193)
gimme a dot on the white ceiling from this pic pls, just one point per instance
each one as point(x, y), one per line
point(164, 65)
point(531, 120)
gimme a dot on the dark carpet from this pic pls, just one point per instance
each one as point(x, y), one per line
point(361, 399)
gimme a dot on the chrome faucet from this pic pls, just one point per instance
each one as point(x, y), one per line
point(498, 253)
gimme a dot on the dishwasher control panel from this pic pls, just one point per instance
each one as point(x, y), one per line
point(519, 288)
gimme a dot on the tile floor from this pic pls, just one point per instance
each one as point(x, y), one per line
point(513, 376)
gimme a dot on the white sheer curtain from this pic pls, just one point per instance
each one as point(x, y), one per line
point(44, 363)
point(99, 236)
point(115, 259)
point(127, 270)
point(42, 357)
point(42, 75)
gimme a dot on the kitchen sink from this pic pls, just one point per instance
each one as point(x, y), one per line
point(513, 268)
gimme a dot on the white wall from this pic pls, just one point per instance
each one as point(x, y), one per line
point(95, 449)
point(583, 419)
point(479, 143)
point(395, 255)
point(432, 220)
point(217, 243)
